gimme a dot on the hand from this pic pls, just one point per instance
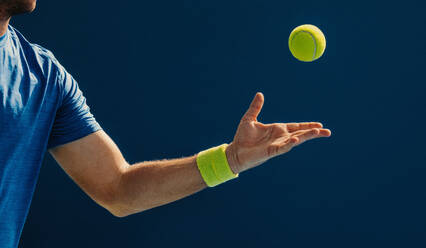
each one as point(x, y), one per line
point(255, 142)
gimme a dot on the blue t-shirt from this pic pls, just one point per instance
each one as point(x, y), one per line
point(41, 107)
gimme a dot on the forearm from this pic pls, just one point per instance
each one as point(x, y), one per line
point(154, 183)
point(150, 184)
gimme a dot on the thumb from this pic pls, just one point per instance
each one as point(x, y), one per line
point(255, 107)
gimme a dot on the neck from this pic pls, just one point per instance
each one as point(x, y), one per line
point(3, 26)
point(4, 22)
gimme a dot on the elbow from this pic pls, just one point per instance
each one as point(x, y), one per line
point(117, 208)
point(109, 198)
point(121, 200)
point(114, 205)
point(114, 199)
point(117, 201)
point(114, 202)
point(119, 213)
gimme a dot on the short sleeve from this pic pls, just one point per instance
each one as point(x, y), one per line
point(73, 118)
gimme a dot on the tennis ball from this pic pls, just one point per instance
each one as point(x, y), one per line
point(306, 43)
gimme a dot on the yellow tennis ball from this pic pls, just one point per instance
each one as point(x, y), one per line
point(306, 43)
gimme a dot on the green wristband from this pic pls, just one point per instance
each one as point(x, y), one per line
point(214, 167)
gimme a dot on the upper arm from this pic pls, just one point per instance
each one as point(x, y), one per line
point(80, 146)
point(95, 163)
point(73, 118)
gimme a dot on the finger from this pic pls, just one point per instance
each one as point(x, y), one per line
point(301, 137)
point(322, 131)
point(292, 127)
point(305, 135)
point(255, 107)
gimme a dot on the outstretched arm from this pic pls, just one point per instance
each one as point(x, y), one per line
point(96, 164)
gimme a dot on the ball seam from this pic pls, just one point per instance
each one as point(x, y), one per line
point(313, 38)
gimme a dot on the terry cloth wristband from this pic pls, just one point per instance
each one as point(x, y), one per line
point(214, 167)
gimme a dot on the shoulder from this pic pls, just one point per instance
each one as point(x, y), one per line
point(36, 55)
point(47, 60)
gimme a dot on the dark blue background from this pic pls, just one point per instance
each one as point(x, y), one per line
point(167, 79)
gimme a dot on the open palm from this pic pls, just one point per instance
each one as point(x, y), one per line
point(255, 142)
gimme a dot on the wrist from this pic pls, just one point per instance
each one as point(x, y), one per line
point(231, 156)
point(214, 166)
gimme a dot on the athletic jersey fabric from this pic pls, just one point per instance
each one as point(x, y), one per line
point(41, 106)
